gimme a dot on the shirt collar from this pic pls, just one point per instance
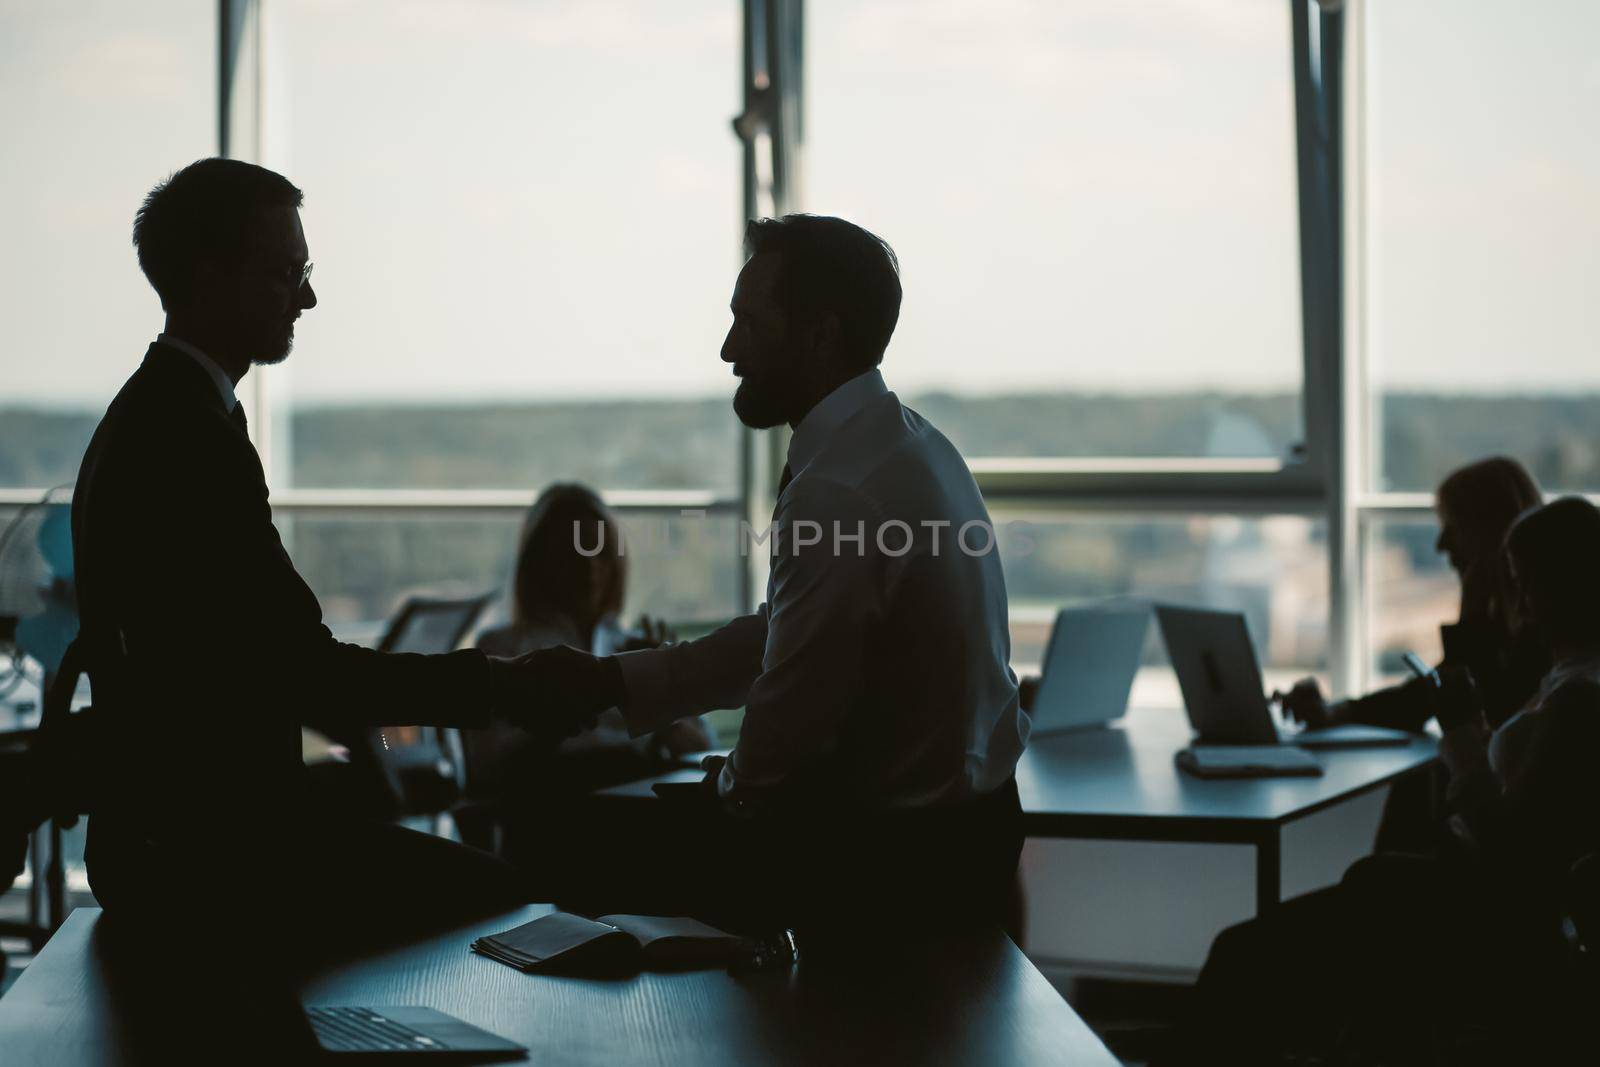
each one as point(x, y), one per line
point(218, 375)
point(832, 412)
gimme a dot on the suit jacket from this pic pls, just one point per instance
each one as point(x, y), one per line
point(205, 649)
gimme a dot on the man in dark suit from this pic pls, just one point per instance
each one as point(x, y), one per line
point(207, 651)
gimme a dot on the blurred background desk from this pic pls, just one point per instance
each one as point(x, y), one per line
point(969, 1000)
point(1119, 783)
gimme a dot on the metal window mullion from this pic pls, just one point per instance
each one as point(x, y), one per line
point(771, 122)
point(239, 105)
point(749, 444)
point(1318, 69)
point(1358, 588)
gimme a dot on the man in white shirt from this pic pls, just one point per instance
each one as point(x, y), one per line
point(875, 677)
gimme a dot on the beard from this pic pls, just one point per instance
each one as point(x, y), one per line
point(758, 404)
point(276, 349)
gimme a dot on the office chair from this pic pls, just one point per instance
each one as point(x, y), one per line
point(427, 761)
point(397, 771)
point(428, 625)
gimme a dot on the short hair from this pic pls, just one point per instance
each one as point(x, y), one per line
point(828, 264)
point(205, 210)
point(1555, 549)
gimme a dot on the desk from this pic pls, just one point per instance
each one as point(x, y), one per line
point(1119, 783)
point(974, 1000)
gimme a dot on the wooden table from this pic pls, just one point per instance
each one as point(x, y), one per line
point(1119, 783)
point(969, 1000)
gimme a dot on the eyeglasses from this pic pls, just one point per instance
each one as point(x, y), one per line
point(298, 278)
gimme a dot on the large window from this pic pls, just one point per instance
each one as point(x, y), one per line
point(364, 562)
point(525, 221)
point(101, 100)
point(1411, 591)
point(1094, 206)
point(1478, 232)
point(524, 224)
point(1483, 238)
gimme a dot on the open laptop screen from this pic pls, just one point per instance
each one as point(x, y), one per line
point(1089, 666)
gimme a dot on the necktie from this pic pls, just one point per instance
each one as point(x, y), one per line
point(785, 479)
point(237, 415)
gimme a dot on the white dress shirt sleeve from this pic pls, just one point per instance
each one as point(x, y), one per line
point(715, 671)
point(825, 605)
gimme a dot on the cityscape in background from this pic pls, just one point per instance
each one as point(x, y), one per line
point(363, 564)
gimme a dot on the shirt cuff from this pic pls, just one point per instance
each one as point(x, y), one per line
point(645, 674)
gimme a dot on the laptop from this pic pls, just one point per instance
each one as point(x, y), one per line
point(1089, 667)
point(1222, 688)
point(406, 1031)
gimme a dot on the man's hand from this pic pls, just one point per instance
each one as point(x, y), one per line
point(684, 736)
point(653, 633)
point(554, 693)
point(1304, 704)
point(712, 765)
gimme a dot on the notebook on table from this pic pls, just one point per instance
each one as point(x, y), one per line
point(1247, 761)
point(570, 944)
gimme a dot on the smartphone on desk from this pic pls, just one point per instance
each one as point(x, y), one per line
point(682, 791)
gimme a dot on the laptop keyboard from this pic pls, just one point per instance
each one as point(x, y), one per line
point(364, 1030)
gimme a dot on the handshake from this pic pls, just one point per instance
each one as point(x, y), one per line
point(554, 693)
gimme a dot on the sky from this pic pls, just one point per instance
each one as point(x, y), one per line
point(540, 200)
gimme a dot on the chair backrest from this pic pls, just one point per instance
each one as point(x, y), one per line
point(425, 763)
point(428, 625)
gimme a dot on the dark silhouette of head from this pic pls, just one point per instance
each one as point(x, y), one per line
point(570, 560)
point(1554, 557)
point(814, 306)
point(1477, 504)
point(221, 243)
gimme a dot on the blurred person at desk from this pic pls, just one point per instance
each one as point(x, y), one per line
point(1475, 505)
point(568, 588)
point(206, 650)
point(1410, 954)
